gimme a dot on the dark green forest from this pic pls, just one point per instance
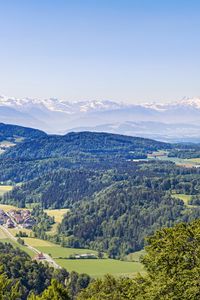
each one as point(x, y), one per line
point(119, 202)
point(114, 202)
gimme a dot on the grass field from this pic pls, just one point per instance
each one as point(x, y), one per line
point(183, 197)
point(100, 267)
point(4, 238)
point(163, 155)
point(14, 231)
point(93, 267)
point(6, 207)
point(194, 160)
point(55, 250)
point(4, 189)
point(58, 214)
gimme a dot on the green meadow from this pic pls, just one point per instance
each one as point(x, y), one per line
point(93, 267)
point(100, 267)
point(5, 238)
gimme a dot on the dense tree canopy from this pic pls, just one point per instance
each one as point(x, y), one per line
point(172, 264)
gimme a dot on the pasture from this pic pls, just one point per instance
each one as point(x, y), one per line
point(5, 238)
point(194, 160)
point(58, 214)
point(14, 231)
point(93, 267)
point(55, 250)
point(100, 267)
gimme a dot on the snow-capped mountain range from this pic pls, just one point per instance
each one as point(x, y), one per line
point(178, 120)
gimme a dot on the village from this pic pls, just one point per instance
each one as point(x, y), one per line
point(16, 218)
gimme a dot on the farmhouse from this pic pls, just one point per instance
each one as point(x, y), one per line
point(10, 224)
point(28, 222)
point(39, 256)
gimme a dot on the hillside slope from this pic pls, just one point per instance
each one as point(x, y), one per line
point(84, 142)
point(12, 132)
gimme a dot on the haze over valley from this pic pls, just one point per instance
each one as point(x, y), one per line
point(174, 121)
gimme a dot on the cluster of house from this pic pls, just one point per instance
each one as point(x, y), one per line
point(15, 217)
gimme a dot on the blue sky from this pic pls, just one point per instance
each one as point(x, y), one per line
point(134, 51)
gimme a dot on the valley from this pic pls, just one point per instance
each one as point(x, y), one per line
point(63, 257)
point(88, 202)
point(100, 150)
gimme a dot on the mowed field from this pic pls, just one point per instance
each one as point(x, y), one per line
point(56, 251)
point(5, 238)
point(58, 214)
point(100, 267)
point(194, 160)
point(6, 207)
point(93, 267)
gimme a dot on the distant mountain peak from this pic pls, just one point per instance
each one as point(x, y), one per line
point(194, 102)
point(59, 116)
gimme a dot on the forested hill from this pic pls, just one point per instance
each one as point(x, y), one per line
point(87, 143)
point(115, 197)
point(11, 132)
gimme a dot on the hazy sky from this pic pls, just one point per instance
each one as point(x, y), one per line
point(131, 51)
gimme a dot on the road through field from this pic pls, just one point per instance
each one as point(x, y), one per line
point(47, 257)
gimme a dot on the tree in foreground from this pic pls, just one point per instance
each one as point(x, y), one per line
point(55, 291)
point(9, 289)
point(172, 266)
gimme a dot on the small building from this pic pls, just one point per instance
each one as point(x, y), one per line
point(85, 256)
point(28, 223)
point(39, 256)
point(18, 219)
point(10, 224)
point(25, 213)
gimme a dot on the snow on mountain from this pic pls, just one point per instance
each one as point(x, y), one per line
point(56, 116)
point(54, 104)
